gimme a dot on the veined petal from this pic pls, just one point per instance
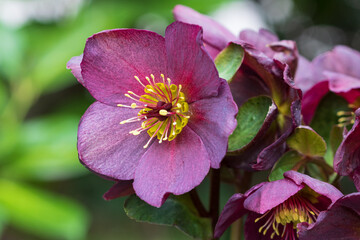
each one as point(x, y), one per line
point(105, 146)
point(188, 63)
point(171, 167)
point(215, 35)
point(318, 186)
point(270, 195)
point(213, 120)
point(112, 58)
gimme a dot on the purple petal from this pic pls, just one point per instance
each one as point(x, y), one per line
point(171, 167)
point(340, 221)
point(215, 35)
point(347, 156)
point(312, 99)
point(74, 65)
point(270, 195)
point(233, 210)
point(119, 189)
point(341, 59)
point(260, 40)
point(105, 146)
point(286, 52)
point(189, 64)
point(339, 82)
point(304, 75)
point(322, 188)
point(213, 130)
point(112, 58)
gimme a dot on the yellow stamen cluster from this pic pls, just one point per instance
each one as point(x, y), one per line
point(163, 109)
point(287, 215)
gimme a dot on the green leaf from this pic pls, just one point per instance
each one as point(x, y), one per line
point(284, 164)
point(176, 211)
point(229, 60)
point(306, 141)
point(326, 117)
point(250, 118)
point(47, 150)
point(336, 137)
point(42, 213)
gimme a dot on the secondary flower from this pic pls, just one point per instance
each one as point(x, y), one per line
point(276, 208)
point(159, 101)
point(268, 68)
point(334, 71)
point(340, 221)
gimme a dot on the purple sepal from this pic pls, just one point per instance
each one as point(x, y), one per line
point(340, 221)
point(119, 189)
point(347, 157)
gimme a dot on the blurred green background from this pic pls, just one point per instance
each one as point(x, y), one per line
point(45, 193)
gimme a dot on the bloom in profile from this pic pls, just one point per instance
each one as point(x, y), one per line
point(276, 208)
point(339, 221)
point(268, 69)
point(162, 116)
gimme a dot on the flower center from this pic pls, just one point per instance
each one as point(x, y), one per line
point(283, 219)
point(348, 117)
point(163, 109)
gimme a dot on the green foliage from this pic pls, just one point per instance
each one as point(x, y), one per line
point(250, 118)
point(48, 150)
point(42, 213)
point(229, 60)
point(307, 142)
point(177, 211)
point(326, 117)
point(287, 162)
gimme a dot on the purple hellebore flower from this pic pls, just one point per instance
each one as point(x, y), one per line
point(336, 71)
point(340, 221)
point(275, 208)
point(159, 101)
point(267, 69)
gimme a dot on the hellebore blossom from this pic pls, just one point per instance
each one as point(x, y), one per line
point(276, 208)
point(337, 71)
point(162, 116)
point(340, 221)
point(267, 69)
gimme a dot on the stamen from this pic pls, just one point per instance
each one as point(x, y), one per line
point(138, 79)
point(163, 112)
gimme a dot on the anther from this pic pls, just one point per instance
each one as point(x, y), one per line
point(163, 112)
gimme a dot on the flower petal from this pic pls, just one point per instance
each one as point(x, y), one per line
point(270, 195)
point(105, 146)
point(171, 167)
point(260, 40)
point(112, 58)
point(213, 120)
point(339, 82)
point(233, 210)
point(312, 98)
point(347, 156)
point(119, 189)
point(189, 64)
point(322, 188)
point(74, 65)
point(215, 35)
point(340, 221)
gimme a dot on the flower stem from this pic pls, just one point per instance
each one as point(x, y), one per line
point(198, 204)
point(214, 196)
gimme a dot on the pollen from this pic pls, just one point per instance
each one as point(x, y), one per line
point(162, 108)
point(282, 220)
